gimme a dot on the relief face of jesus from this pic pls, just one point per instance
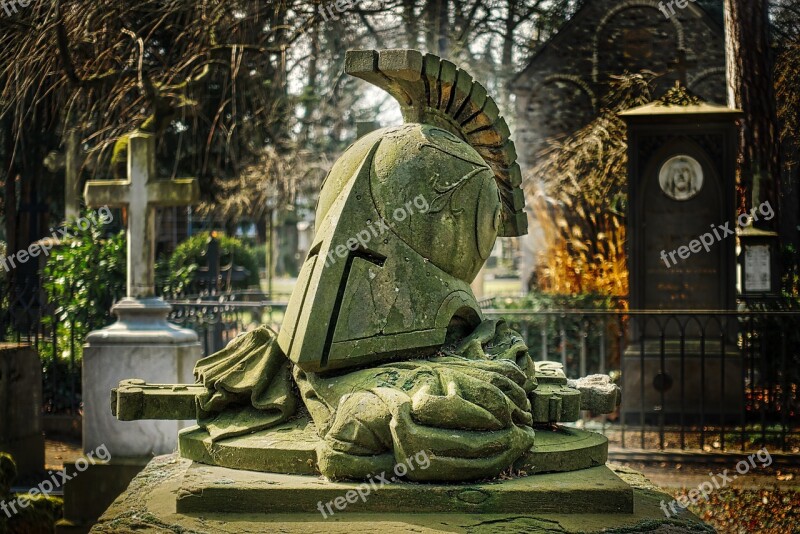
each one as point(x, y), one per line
point(681, 177)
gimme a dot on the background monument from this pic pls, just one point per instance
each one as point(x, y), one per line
point(141, 342)
point(681, 186)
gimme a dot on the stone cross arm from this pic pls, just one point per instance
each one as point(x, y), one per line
point(141, 194)
point(160, 193)
point(135, 400)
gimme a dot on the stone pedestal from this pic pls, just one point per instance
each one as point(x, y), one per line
point(141, 344)
point(91, 491)
point(21, 408)
point(599, 499)
point(683, 383)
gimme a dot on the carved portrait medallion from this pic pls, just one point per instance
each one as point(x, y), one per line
point(681, 177)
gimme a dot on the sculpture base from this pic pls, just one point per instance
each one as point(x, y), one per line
point(291, 448)
point(154, 500)
point(596, 490)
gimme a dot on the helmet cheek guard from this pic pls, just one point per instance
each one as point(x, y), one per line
point(405, 220)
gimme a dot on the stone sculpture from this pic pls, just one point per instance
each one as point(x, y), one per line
point(383, 345)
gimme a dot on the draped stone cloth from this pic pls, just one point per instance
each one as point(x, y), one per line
point(248, 386)
point(467, 407)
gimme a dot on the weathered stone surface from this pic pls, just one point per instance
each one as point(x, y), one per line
point(434, 91)
point(396, 248)
point(93, 490)
point(468, 409)
point(559, 449)
point(383, 337)
point(598, 393)
point(292, 448)
point(595, 490)
point(149, 505)
point(289, 448)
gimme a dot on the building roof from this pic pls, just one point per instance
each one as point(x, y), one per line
point(712, 10)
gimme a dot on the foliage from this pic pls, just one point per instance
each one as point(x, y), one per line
point(787, 88)
point(40, 515)
point(179, 271)
point(766, 510)
point(578, 199)
point(234, 85)
point(83, 277)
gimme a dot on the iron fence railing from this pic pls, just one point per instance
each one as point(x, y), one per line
point(709, 380)
point(26, 318)
point(692, 380)
point(217, 320)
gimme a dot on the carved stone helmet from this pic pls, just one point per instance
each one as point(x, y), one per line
point(405, 220)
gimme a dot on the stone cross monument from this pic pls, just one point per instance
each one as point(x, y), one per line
point(141, 342)
point(141, 194)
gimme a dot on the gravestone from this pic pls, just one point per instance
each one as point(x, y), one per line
point(141, 342)
point(563, 87)
point(21, 407)
point(681, 256)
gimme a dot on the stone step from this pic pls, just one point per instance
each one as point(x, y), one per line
point(595, 490)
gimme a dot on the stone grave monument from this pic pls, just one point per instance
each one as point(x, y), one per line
point(681, 255)
point(385, 378)
point(140, 343)
point(21, 408)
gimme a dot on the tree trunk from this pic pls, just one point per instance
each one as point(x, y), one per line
point(751, 89)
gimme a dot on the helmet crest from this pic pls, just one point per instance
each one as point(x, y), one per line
point(431, 90)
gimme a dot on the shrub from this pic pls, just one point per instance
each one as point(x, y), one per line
point(83, 277)
point(178, 273)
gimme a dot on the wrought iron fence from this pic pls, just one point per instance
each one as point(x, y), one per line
point(709, 380)
point(26, 318)
point(218, 319)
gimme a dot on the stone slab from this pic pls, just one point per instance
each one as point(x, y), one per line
point(21, 408)
point(88, 493)
point(149, 505)
point(594, 490)
point(291, 448)
point(558, 449)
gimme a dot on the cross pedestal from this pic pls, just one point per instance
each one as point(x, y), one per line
point(141, 343)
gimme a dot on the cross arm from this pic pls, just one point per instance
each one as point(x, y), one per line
point(177, 192)
point(111, 193)
point(135, 400)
